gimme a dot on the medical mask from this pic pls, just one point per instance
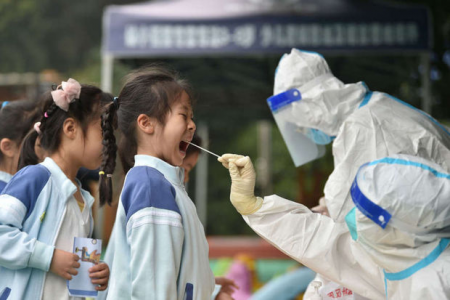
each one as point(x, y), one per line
point(319, 137)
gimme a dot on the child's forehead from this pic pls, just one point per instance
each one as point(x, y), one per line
point(183, 102)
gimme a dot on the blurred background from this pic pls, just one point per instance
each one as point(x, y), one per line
point(229, 51)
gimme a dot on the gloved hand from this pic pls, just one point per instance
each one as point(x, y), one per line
point(243, 178)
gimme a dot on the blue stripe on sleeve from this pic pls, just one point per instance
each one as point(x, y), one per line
point(147, 187)
point(27, 185)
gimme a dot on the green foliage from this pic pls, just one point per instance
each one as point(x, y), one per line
point(49, 34)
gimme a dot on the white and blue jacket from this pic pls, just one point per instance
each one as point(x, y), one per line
point(4, 179)
point(158, 248)
point(32, 208)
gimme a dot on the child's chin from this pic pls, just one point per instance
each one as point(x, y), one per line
point(93, 166)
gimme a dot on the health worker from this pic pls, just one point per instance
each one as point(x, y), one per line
point(313, 108)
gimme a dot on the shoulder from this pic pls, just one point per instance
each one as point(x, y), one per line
point(28, 182)
point(2, 185)
point(27, 185)
point(147, 187)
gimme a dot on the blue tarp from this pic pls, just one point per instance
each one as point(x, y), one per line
point(195, 27)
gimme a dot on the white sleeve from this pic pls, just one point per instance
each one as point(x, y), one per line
point(18, 250)
point(319, 243)
point(156, 239)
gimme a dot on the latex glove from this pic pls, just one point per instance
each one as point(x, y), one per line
point(243, 178)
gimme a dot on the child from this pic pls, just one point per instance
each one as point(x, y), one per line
point(43, 208)
point(16, 119)
point(158, 248)
point(191, 158)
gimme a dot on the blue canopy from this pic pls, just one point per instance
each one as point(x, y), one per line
point(240, 27)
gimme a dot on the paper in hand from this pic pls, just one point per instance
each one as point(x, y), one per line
point(89, 251)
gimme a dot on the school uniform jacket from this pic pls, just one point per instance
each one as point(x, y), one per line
point(32, 208)
point(158, 248)
point(4, 179)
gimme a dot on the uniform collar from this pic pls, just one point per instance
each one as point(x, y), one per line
point(174, 174)
point(5, 177)
point(65, 185)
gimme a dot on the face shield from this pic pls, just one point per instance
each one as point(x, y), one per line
point(304, 144)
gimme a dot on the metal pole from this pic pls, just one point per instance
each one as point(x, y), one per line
point(107, 72)
point(106, 84)
point(201, 177)
point(264, 157)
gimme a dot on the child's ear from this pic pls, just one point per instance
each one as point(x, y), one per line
point(70, 128)
point(146, 123)
point(8, 147)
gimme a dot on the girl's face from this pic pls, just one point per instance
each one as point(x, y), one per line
point(92, 152)
point(172, 138)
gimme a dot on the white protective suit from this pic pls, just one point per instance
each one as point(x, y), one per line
point(406, 237)
point(365, 126)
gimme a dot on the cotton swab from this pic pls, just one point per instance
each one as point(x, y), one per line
point(204, 150)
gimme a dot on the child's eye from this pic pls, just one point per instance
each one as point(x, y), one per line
point(184, 116)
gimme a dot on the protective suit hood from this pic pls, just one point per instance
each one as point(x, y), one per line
point(310, 104)
point(325, 101)
point(402, 213)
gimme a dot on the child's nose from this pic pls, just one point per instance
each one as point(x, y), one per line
point(191, 125)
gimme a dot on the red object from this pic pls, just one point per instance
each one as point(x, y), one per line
point(256, 247)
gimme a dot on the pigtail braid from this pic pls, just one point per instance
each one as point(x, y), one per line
point(109, 123)
point(47, 114)
point(27, 154)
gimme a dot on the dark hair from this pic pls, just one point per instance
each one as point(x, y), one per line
point(150, 90)
point(16, 120)
point(84, 110)
point(192, 149)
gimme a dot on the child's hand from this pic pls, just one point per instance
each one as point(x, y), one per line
point(228, 286)
point(100, 276)
point(223, 296)
point(64, 264)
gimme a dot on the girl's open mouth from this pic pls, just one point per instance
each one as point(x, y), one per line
point(183, 146)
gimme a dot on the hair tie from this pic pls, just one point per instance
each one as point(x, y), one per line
point(103, 173)
point(116, 102)
point(5, 103)
point(37, 126)
point(46, 115)
point(69, 91)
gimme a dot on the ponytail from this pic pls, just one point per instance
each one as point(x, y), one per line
point(109, 123)
point(127, 151)
point(27, 154)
